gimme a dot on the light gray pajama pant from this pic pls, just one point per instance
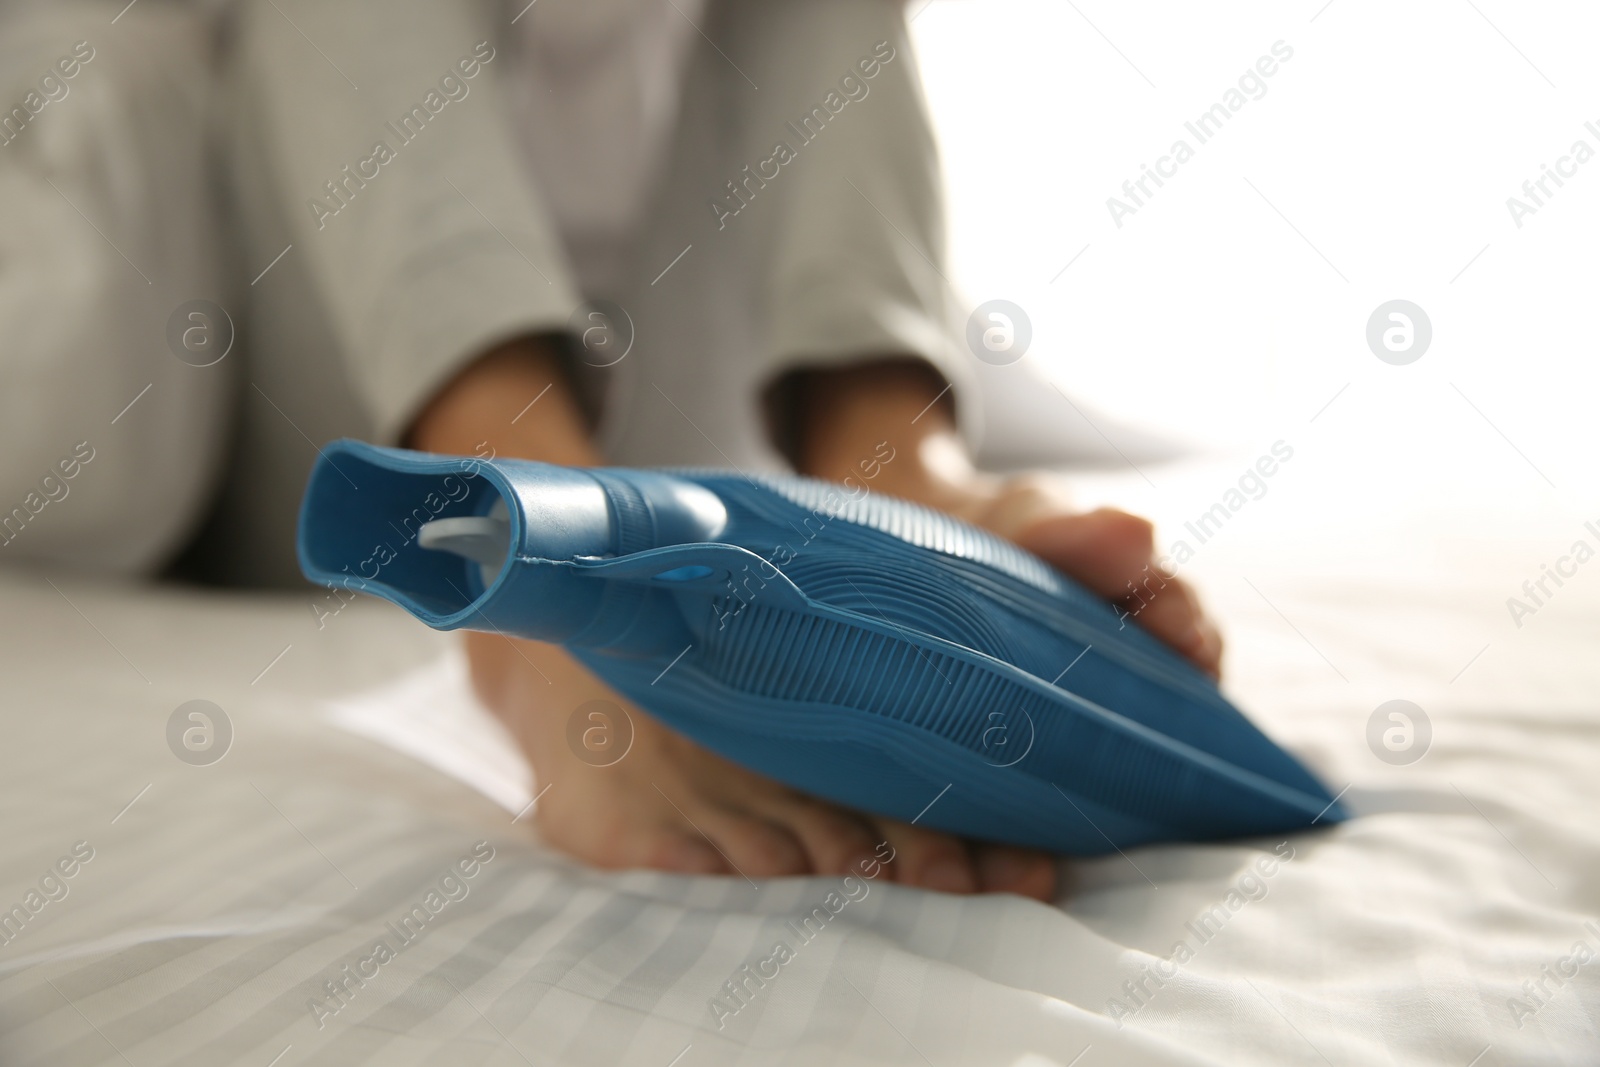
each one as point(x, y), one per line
point(753, 260)
point(106, 226)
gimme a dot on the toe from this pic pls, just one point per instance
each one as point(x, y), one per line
point(836, 841)
point(928, 859)
point(615, 836)
point(1109, 551)
point(682, 853)
point(1170, 609)
point(1007, 869)
point(755, 847)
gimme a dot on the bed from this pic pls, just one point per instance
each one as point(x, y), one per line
point(229, 910)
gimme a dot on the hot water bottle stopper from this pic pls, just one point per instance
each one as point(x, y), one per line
point(860, 648)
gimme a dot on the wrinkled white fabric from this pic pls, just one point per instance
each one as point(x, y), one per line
point(219, 903)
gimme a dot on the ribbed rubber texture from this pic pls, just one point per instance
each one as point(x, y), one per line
point(925, 629)
point(885, 656)
point(804, 660)
point(913, 524)
point(632, 524)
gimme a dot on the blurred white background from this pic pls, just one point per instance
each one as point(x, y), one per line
point(1391, 142)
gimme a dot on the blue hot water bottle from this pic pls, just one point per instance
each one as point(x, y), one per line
point(860, 648)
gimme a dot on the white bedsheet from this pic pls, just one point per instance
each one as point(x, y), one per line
point(220, 898)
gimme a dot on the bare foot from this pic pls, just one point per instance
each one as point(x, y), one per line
point(672, 805)
point(855, 412)
point(1110, 552)
point(668, 803)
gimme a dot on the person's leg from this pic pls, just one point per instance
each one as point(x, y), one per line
point(664, 801)
point(389, 235)
point(804, 198)
point(109, 441)
point(821, 255)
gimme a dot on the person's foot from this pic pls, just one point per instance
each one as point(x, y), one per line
point(672, 805)
point(1110, 552)
point(888, 425)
